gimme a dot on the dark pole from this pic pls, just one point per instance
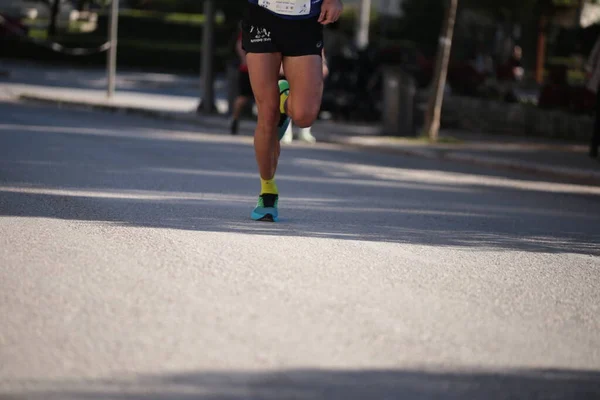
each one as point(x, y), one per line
point(208, 53)
point(436, 99)
point(54, 9)
point(111, 59)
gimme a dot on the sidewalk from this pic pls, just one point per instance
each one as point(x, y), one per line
point(546, 158)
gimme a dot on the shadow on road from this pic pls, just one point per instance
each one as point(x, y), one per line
point(313, 384)
point(115, 169)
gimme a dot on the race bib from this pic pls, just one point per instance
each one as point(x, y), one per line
point(287, 7)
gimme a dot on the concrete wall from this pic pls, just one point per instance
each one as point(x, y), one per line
point(515, 119)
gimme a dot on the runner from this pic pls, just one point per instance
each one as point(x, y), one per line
point(288, 31)
point(244, 88)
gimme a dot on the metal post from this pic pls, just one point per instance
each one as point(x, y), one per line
point(364, 19)
point(208, 98)
point(111, 63)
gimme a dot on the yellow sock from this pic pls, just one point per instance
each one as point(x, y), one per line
point(282, 100)
point(268, 186)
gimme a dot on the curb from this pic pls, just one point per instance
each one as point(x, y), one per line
point(574, 175)
point(130, 110)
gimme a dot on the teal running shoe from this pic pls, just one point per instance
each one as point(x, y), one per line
point(284, 119)
point(266, 208)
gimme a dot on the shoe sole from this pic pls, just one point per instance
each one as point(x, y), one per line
point(267, 218)
point(264, 218)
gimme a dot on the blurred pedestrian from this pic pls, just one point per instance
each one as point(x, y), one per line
point(593, 84)
point(511, 74)
point(515, 64)
point(244, 87)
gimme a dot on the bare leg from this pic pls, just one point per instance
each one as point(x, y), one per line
point(264, 75)
point(305, 75)
point(238, 105)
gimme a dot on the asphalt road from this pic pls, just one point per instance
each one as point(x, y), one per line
point(129, 269)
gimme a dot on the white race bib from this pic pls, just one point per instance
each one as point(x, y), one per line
point(287, 7)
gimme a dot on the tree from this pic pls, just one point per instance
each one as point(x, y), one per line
point(54, 10)
point(434, 109)
point(523, 10)
point(502, 9)
point(421, 23)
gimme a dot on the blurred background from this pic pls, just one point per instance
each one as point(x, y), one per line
point(407, 265)
point(527, 52)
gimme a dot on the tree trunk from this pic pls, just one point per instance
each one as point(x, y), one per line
point(541, 50)
point(434, 109)
point(54, 10)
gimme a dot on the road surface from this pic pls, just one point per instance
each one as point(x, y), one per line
point(129, 268)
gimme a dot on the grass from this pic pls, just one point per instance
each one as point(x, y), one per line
point(38, 29)
point(39, 25)
point(139, 44)
point(175, 18)
point(575, 75)
point(40, 34)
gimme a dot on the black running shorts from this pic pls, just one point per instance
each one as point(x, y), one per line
point(265, 32)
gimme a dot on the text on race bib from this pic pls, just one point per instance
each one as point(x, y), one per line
point(287, 7)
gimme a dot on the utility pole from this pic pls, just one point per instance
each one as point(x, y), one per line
point(111, 63)
point(363, 22)
point(208, 53)
point(436, 99)
point(54, 10)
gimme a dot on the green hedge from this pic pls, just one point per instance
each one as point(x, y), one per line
point(152, 41)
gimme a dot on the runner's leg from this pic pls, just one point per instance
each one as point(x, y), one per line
point(264, 75)
point(305, 75)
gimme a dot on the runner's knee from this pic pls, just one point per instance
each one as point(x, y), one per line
point(305, 117)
